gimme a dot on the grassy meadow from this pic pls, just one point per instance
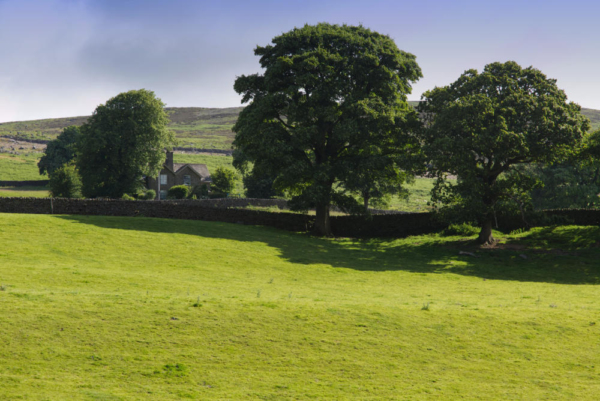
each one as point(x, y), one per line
point(24, 192)
point(21, 167)
point(100, 308)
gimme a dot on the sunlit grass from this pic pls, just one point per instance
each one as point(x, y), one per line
point(137, 308)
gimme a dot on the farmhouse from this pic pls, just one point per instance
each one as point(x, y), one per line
point(178, 174)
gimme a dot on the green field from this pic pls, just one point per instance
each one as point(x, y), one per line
point(21, 167)
point(24, 192)
point(97, 308)
point(198, 127)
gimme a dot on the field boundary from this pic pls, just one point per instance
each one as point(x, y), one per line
point(35, 183)
point(395, 225)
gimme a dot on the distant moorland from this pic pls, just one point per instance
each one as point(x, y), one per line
point(198, 127)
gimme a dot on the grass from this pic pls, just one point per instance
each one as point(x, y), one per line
point(24, 192)
point(21, 167)
point(99, 308)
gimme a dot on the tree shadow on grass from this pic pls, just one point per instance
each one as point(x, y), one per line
point(426, 254)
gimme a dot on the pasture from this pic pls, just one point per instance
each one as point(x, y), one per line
point(101, 308)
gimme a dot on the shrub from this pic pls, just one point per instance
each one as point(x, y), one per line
point(65, 182)
point(200, 191)
point(149, 195)
point(127, 197)
point(178, 192)
point(463, 230)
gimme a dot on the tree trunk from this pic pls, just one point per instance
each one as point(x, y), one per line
point(366, 200)
point(485, 235)
point(322, 222)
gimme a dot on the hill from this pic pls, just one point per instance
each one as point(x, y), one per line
point(102, 308)
point(208, 128)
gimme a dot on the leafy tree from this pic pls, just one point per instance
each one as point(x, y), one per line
point(200, 191)
point(223, 180)
point(332, 100)
point(178, 192)
point(59, 151)
point(565, 185)
point(482, 126)
point(65, 182)
point(121, 142)
point(259, 183)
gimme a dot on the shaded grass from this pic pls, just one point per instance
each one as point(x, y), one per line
point(103, 308)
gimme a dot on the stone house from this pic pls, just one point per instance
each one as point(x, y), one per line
point(178, 174)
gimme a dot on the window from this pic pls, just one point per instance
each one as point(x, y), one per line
point(163, 194)
point(187, 180)
point(163, 180)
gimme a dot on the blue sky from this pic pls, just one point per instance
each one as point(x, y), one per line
point(61, 58)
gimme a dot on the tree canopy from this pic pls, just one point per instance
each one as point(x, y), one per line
point(223, 180)
point(484, 124)
point(60, 151)
point(331, 104)
point(121, 142)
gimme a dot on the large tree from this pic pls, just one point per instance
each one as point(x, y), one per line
point(482, 126)
point(121, 142)
point(332, 100)
point(60, 151)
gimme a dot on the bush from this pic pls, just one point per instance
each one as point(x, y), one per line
point(463, 230)
point(127, 197)
point(65, 182)
point(149, 195)
point(200, 191)
point(178, 192)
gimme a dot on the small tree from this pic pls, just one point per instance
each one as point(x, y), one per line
point(59, 151)
point(223, 180)
point(178, 192)
point(65, 182)
point(121, 142)
point(483, 125)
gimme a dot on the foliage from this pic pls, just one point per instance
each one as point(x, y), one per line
point(463, 230)
point(223, 180)
point(59, 151)
point(121, 142)
point(331, 104)
point(178, 192)
point(483, 125)
point(65, 182)
point(332, 305)
point(128, 197)
point(565, 185)
point(259, 184)
point(149, 195)
point(200, 191)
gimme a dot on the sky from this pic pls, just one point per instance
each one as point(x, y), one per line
point(62, 58)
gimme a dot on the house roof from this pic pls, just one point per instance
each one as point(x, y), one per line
point(199, 169)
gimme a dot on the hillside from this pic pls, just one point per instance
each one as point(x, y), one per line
point(101, 308)
point(208, 128)
point(198, 127)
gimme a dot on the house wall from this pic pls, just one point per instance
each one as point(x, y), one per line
point(193, 175)
point(175, 179)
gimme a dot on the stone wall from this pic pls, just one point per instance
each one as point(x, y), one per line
point(38, 183)
point(231, 211)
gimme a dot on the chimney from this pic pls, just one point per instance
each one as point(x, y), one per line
point(169, 161)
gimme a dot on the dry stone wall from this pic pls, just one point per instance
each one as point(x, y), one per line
point(392, 226)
